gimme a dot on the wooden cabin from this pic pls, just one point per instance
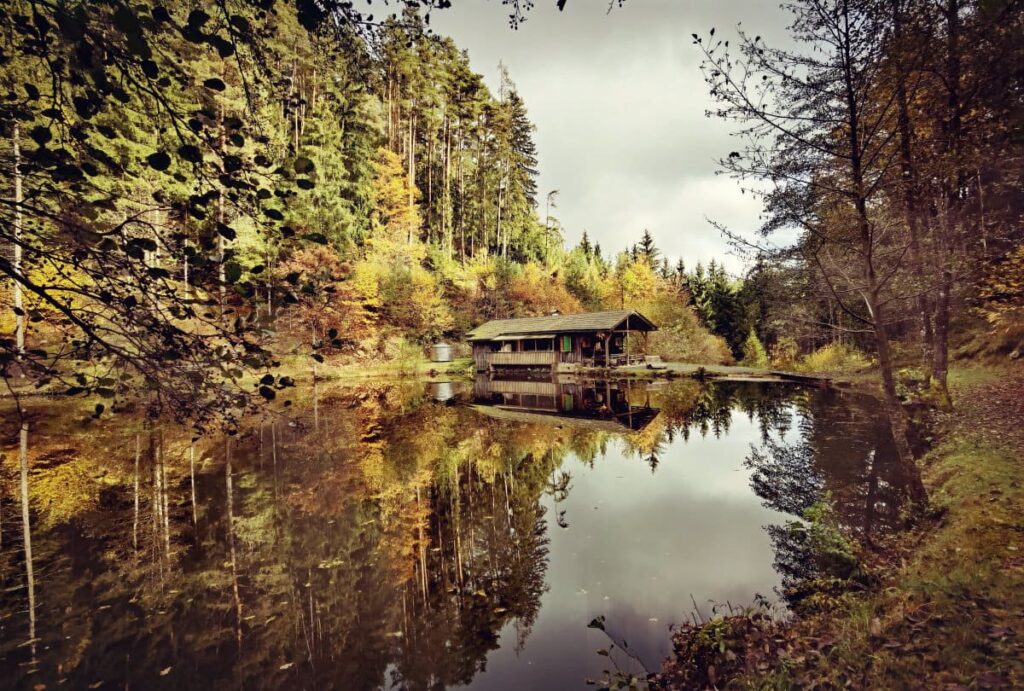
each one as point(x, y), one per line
point(559, 341)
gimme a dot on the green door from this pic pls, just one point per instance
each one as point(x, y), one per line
point(566, 344)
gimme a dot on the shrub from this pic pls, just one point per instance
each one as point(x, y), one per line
point(681, 344)
point(784, 353)
point(834, 357)
point(403, 354)
point(754, 354)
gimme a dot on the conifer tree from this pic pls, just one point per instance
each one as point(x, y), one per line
point(647, 249)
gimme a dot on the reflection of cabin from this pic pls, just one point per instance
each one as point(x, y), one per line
point(599, 405)
point(589, 339)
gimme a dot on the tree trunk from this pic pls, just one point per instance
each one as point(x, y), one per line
point(894, 409)
point(950, 219)
point(19, 309)
point(430, 186)
point(911, 211)
point(26, 523)
point(221, 249)
point(229, 490)
point(412, 163)
point(462, 206)
point(446, 197)
point(270, 289)
point(192, 480)
point(166, 495)
point(895, 413)
point(135, 520)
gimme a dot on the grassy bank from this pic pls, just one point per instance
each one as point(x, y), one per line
point(946, 608)
point(301, 370)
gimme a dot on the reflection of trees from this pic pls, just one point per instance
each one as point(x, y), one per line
point(843, 450)
point(385, 537)
point(558, 487)
point(784, 476)
point(707, 408)
point(395, 537)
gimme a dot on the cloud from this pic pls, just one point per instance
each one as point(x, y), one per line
point(619, 104)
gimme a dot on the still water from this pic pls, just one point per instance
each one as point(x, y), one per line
point(408, 535)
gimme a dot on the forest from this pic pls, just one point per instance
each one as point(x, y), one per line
point(221, 192)
point(209, 209)
point(256, 192)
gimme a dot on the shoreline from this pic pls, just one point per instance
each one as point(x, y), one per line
point(942, 608)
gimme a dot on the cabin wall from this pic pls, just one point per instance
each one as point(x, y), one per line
point(518, 356)
point(480, 351)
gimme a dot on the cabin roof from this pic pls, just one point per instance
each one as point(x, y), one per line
point(545, 327)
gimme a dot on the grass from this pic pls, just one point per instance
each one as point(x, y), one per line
point(950, 599)
point(300, 368)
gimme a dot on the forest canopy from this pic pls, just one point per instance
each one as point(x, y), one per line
point(200, 194)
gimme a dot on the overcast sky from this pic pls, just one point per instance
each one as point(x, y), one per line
point(619, 104)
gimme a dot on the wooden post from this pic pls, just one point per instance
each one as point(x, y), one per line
point(626, 344)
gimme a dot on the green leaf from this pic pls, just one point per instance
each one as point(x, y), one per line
point(159, 160)
point(232, 272)
point(191, 153)
point(40, 135)
point(197, 18)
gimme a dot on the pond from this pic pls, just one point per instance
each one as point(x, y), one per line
point(411, 535)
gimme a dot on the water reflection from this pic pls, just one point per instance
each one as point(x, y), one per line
point(595, 405)
point(411, 536)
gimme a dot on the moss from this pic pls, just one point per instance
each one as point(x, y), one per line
point(950, 599)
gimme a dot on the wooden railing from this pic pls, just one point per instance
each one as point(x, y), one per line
point(535, 358)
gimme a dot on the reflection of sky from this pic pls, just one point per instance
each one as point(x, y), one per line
point(637, 547)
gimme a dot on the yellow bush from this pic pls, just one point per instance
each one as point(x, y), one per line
point(834, 357)
point(688, 341)
point(784, 353)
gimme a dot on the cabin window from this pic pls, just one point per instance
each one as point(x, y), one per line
point(566, 344)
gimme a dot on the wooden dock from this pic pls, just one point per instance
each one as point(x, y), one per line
point(723, 372)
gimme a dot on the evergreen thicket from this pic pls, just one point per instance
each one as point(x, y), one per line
point(198, 191)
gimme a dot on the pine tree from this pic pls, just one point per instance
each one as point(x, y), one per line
point(753, 353)
point(647, 249)
point(585, 244)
